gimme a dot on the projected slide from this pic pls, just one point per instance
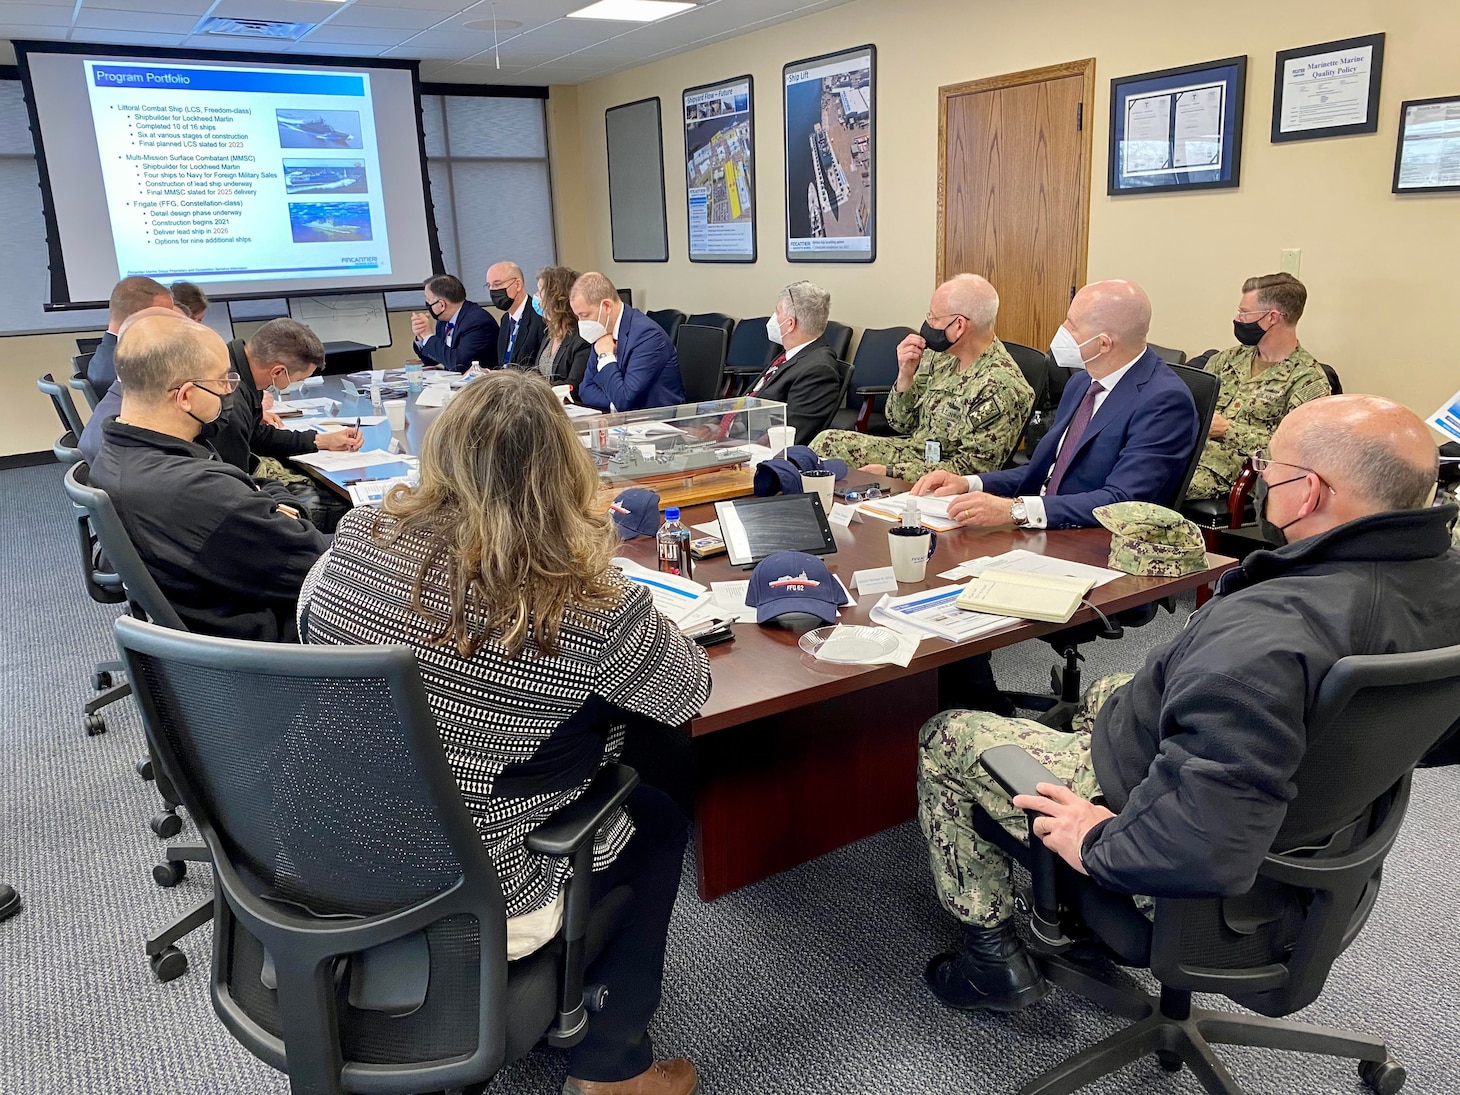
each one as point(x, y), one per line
point(219, 174)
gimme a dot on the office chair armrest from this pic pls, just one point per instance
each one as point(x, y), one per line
point(873, 389)
point(1018, 773)
point(567, 830)
point(1237, 496)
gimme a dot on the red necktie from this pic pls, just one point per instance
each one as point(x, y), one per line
point(1083, 414)
point(725, 421)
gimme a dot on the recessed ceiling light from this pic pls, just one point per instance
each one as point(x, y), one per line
point(631, 11)
point(487, 24)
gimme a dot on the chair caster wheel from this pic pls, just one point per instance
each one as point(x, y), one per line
point(1170, 1061)
point(166, 825)
point(101, 680)
point(595, 997)
point(169, 965)
point(143, 767)
point(95, 724)
point(169, 874)
point(1383, 1077)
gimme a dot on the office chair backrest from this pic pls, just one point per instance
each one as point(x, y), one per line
point(669, 319)
point(1335, 387)
point(839, 338)
point(847, 373)
point(116, 546)
point(63, 404)
point(67, 449)
point(1271, 949)
point(87, 346)
point(750, 349)
point(714, 319)
point(1168, 355)
point(701, 352)
point(79, 382)
point(1204, 388)
point(1034, 364)
point(361, 927)
point(627, 296)
point(876, 361)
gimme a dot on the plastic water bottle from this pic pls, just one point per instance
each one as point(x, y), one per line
point(673, 539)
point(415, 377)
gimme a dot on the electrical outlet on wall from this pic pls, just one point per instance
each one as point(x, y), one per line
point(1291, 258)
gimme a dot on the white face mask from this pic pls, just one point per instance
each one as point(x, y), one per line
point(292, 386)
point(773, 330)
point(1066, 351)
point(591, 330)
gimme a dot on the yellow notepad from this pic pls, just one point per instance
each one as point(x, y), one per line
point(1052, 598)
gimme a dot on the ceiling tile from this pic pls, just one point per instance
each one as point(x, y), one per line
point(284, 11)
point(127, 38)
point(104, 19)
point(448, 6)
point(379, 37)
point(161, 7)
point(36, 15)
point(410, 19)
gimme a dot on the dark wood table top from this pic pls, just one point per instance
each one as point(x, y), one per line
point(764, 671)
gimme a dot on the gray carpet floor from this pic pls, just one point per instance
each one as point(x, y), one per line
point(805, 983)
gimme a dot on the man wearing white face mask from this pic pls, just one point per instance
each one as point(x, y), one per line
point(632, 364)
point(802, 372)
point(1125, 429)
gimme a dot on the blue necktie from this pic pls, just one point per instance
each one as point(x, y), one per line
point(511, 338)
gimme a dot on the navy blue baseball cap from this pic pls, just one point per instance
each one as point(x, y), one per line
point(792, 581)
point(805, 458)
point(777, 477)
point(635, 512)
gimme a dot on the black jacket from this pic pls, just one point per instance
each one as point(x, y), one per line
point(244, 435)
point(217, 545)
point(809, 385)
point(571, 361)
point(531, 334)
point(1197, 754)
point(474, 338)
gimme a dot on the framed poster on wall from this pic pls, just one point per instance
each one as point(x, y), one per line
point(1177, 129)
point(719, 166)
point(830, 110)
point(1328, 90)
point(1427, 156)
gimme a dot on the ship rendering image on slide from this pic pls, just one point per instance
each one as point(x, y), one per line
point(319, 129)
point(325, 176)
point(330, 222)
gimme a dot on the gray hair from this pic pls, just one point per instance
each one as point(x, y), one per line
point(288, 342)
point(809, 304)
point(975, 299)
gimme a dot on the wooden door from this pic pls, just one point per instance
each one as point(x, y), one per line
point(1014, 190)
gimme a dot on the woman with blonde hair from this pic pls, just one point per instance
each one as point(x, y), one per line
point(536, 654)
point(564, 357)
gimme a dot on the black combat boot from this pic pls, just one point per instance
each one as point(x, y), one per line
point(992, 972)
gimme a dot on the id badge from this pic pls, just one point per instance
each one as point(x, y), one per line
point(932, 452)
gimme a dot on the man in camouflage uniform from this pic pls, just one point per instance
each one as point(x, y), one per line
point(960, 401)
point(1262, 379)
point(1175, 781)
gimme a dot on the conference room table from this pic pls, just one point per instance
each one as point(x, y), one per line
point(793, 757)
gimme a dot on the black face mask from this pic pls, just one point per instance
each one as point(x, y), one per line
point(1249, 334)
point(1273, 534)
point(937, 341)
point(213, 426)
point(501, 299)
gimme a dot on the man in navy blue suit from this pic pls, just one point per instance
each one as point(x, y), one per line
point(1125, 429)
point(129, 296)
point(632, 364)
point(458, 331)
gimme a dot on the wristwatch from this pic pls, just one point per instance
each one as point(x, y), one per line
point(1019, 512)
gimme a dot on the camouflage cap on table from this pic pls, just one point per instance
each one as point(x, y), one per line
point(1149, 539)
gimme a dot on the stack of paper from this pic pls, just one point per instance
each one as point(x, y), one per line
point(933, 512)
point(676, 597)
point(1052, 598)
point(1030, 562)
point(935, 612)
point(346, 461)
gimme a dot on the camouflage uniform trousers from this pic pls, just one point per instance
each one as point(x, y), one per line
point(974, 879)
point(861, 448)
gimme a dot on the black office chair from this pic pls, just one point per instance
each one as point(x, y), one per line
point(847, 373)
point(669, 319)
point(1270, 949)
point(1335, 386)
point(1059, 706)
point(749, 352)
point(87, 346)
point(1034, 364)
point(839, 338)
point(1168, 355)
point(713, 319)
point(701, 352)
point(360, 943)
point(876, 366)
point(63, 404)
point(78, 381)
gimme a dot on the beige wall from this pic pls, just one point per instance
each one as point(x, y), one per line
point(1381, 270)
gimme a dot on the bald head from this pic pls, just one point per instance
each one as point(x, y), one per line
point(1374, 452)
point(970, 296)
point(501, 272)
point(1119, 309)
point(162, 350)
point(145, 313)
point(593, 288)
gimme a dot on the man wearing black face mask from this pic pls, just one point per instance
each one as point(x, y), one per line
point(520, 337)
point(457, 331)
point(960, 401)
point(1263, 378)
point(230, 556)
